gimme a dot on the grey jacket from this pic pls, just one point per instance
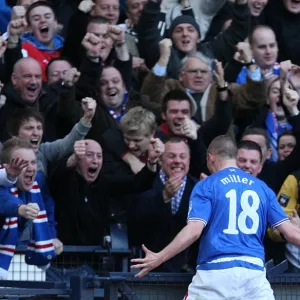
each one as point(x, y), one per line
point(52, 151)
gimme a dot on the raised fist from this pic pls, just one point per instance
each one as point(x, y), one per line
point(80, 148)
point(189, 129)
point(92, 45)
point(165, 47)
point(16, 28)
point(117, 34)
point(86, 6)
point(70, 77)
point(18, 12)
point(89, 107)
point(155, 150)
point(244, 53)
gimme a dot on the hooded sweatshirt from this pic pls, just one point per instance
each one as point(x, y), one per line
point(33, 48)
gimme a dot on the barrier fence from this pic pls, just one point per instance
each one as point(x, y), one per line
point(84, 273)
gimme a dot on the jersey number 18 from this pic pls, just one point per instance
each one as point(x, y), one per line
point(238, 222)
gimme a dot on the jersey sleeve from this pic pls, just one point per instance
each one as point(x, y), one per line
point(276, 215)
point(200, 203)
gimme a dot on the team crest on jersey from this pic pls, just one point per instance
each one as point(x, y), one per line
point(284, 200)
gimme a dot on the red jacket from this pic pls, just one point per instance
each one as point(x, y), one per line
point(43, 57)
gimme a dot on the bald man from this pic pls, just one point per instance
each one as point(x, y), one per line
point(82, 196)
point(24, 91)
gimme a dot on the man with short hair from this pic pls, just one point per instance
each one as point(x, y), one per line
point(157, 215)
point(185, 35)
point(231, 253)
point(286, 144)
point(42, 42)
point(264, 49)
point(56, 68)
point(24, 200)
point(249, 157)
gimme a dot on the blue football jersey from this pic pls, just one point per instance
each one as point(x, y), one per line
point(236, 209)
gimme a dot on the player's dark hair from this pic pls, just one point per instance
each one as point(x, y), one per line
point(250, 145)
point(257, 131)
point(22, 115)
point(37, 4)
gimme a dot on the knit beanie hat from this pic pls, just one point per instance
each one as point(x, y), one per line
point(184, 20)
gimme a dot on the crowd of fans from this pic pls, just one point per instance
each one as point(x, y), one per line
point(108, 107)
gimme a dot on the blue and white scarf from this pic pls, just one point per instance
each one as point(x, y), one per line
point(176, 200)
point(40, 250)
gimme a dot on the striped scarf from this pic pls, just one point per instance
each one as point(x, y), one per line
point(176, 200)
point(40, 250)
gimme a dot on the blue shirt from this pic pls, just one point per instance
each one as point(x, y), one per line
point(236, 209)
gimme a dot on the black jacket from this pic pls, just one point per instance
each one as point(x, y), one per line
point(153, 224)
point(46, 104)
point(84, 212)
point(222, 47)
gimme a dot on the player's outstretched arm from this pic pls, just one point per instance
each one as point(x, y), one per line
point(187, 236)
point(290, 232)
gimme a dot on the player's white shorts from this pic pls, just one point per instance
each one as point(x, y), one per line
point(230, 284)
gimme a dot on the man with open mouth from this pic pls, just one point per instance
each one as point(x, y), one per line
point(84, 206)
point(28, 124)
point(21, 202)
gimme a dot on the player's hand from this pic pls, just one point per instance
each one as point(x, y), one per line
point(155, 150)
point(86, 6)
point(29, 211)
point(151, 261)
point(58, 246)
point(172, 186)
point(15, 167)
point(189, 129)
point(70, 77)
point(294, 218)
